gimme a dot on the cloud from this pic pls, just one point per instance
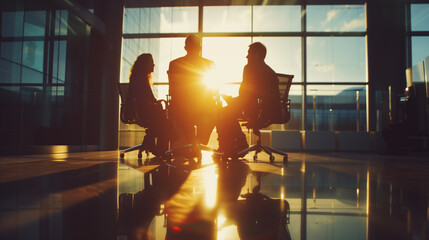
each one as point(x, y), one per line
point(353, 24)
point(331, 15)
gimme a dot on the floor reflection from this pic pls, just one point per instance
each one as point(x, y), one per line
point(213, 201)
point(316, 196)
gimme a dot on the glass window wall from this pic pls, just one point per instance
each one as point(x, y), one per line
point(419, 32)
point(336, 107)
point(34, 23)
point(336, 59)
point(41, 75)
point(419, 48)
point(336, 18)
point(276, 18)
point(331, 67)
point(161, 20)
point(420, 17)
point(283, 55)
point(227, 19)
point(229, 55)
point(12, 24)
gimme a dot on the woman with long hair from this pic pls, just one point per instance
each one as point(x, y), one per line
point(149, 110)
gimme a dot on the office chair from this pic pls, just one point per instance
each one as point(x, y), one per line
point(193, 147)
point(256, 125)
point(129, 116)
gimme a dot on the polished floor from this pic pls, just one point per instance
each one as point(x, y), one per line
point(96, 195)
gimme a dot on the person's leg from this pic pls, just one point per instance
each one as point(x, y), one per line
point(159, 126)
point(231, 137)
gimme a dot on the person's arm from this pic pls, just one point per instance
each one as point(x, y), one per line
point(244, 91)
point(171, 79)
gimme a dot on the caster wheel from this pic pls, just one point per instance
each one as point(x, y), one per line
point(285, 160)
point(122, 155)
point(271, 159)
point(255, 158)
point(140, 155)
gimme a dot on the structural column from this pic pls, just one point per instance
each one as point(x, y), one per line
point(109, 56)
point(386, 49)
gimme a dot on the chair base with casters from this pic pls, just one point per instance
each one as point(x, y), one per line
point(146, 146)
point(139, 147)
point(143, 147)
point(265, 118)
point(259, 147)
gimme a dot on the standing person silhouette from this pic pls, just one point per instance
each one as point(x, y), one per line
point(260, 85)
point(192, 102)
point(140, 100)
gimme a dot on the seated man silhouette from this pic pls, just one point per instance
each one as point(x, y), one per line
point(192, 102)
point(140, 100)
point(259, 88)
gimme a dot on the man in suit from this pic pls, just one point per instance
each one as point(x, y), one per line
point(192, 102)
point(260, 87)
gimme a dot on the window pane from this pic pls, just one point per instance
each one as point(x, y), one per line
point(163, 51)
point(336, 59)
point(32, 55)
point(227, 19)
point(418, 73)
point(34, 23)
point(131, 20)
point(61, 22)
point(420, 49)
point(419, 17)
point(59, 61)
point(283, 54)
point(12, 24)
point(338, 18)
point(11, 51)
point(276, 18)
point(9, 72)
point(30, 75)
point(160, 91)
point(161, 20)
point(229, 55)
point(335, 107)
point(179, 19)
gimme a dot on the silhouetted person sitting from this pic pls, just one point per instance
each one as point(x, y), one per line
point(192, 102)
point(260, 87)
point(141, 100)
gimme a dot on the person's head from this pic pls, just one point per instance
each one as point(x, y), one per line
point(193, 45)
point(257, 52)
point(143, 66)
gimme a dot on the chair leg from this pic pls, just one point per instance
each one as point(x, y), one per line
point(255, 147)
point(277, 151)
point(215, 154)
point(137, 147)
point(144, 146)
point(270, 151)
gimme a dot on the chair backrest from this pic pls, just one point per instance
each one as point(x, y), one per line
point(127, 112)
point(285, 81)
point(265, 119)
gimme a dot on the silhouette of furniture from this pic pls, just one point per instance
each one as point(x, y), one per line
point(260, 121)
point(128, 116)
